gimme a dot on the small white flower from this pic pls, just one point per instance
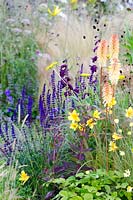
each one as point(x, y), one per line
point(129, 189)
point(129, 133)
point(116, 121)
point(119, 131)
point(127, 173)
point(122, 153)
point(131, 124)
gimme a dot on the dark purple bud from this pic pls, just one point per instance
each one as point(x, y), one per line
point(94, 59)
point(95, 49)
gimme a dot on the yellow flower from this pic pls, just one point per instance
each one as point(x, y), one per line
point(90, 123)
point(111, 103)
point(116, 121)
point(96, 114)
point(116, 136)
point(55, 11)
point(73, 1)
point(53, 64)
point(129, 112)
point(132, 150)
point(129, 189)
point(24, 177)
point(81, 127)
point(121, 77)
point(112, 146)
point(84, 75)
point(74, 116)
point(73, 126)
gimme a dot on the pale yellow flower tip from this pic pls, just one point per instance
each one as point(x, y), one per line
point(84, 75)
point(116, 121)
point(121, 77)
point(52, 65)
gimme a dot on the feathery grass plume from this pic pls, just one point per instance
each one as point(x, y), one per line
point(114, 71)
point(102, 53)
point(114, 46)
point(107, 93)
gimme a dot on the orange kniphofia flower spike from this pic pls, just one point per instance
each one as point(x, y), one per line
point(114, 71)
point(107, 93)
point(114, 46)
point(102, 53)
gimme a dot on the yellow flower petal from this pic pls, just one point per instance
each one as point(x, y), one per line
point(51, 65)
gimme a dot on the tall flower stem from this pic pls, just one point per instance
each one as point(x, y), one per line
point(101, 79)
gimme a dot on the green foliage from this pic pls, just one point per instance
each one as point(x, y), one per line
point(91, 185)
point(128, 46)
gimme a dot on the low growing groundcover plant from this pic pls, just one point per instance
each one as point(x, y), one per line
point(99, 184)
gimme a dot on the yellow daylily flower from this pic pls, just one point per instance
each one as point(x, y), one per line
point(73, 126)
point(129, 112)
point(111, 103)
point(90, 123)
point(96, 114)
point(112, 146)
point(55, 11)
point(24, 177)
point(116, 136)
point(74, 116)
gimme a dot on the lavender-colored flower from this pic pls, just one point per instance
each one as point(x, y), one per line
point(13, 132)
